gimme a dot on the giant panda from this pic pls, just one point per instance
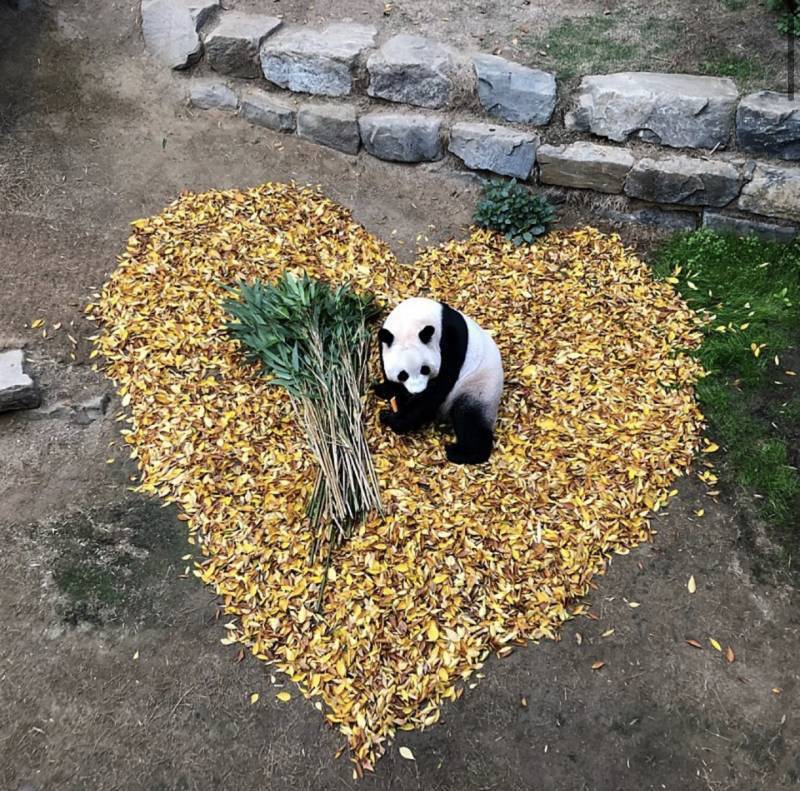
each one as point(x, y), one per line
point(438, 362)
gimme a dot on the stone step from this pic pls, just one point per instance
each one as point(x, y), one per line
point(17, 388)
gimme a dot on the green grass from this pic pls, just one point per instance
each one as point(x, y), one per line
point(743, 70)
point(750, 291)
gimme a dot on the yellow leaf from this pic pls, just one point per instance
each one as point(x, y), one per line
point(407, 754)
point(714, 644)
point(633, 604)
point(598, 664)
point(433, 631)
point(691, 585)
point(711, 448)
point(284, 696)
point(36, 323)
point(254, 696)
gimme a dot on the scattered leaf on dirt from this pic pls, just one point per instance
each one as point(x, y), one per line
point(695, 644)
point(598, 664)
point(407, 754)
point(284, 697)
point(691, 586)
point(730, 657)
point(254, 696)
point(714, 644)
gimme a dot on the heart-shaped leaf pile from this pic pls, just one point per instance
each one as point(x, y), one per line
point(598, 417)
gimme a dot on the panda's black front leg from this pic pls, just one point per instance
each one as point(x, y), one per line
point(417, 412)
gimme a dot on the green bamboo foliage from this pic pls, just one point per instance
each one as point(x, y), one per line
point(313, 340)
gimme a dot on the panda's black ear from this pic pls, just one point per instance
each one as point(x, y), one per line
point(384, 336)
point(426, 333)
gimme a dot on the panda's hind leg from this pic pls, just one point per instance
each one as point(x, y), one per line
point(473, 432)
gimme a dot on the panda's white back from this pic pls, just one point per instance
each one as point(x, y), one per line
point(481, 377)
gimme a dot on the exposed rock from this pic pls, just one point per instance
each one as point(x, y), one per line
point(413, 70)
point(495, 148)
point(769, 123)
point(514, 92)
point(170, 29)
point(679, 110)
point(773, 191)
point(742, 226)
point(653, 216)
point(233, 44)
point(329, 125)
point(402, 138)
point(584, 165)
point(17, 389)
point(317, 62)
point(679, 179)
point(81, 413)
point(208, 94)
point(262, 109)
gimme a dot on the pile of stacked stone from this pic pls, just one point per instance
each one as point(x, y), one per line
point(411, 99)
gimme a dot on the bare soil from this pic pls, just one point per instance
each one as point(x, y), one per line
point(112, 675)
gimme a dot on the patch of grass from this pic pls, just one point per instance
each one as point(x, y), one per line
point(744, 70)
point(105, 559)
point(735, 5)
point(749, 291)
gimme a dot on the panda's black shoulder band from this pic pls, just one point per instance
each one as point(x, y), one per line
point(453, 347)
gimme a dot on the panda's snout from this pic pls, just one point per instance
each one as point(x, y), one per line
point(416, 384)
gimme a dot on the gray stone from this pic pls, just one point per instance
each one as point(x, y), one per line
point(495, 148)
point(679, 179)
point(402, 138)
point(584, 165)
point(233, 44)
point(317, 62)
point(413, 70)
point(773, 191)
point(334, 126)
point(262, 109)
point(17, 389)
point(678, 110)
point(82, 413)
point(742, 226)
point(514, 92)
point(769, 123)
point(655, 217)
point(170, 29)
point(209, 94)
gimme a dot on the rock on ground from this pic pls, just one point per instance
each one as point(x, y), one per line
point(402, 137)
point(496, 148)
point(514, 92)
point(413, 70)
point(769, 123)
point(678, 110)
point(320, 62)
point(584, 165)
point(679, 179)
point(261, 109)
point(170, 29)
point(742, 226)
point(208, 94)
point(653, 216)
point(232, 46)
point(774, 191)
point(17, 389)
point(334, 126)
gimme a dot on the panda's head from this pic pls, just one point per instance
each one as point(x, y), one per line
point(410, 343)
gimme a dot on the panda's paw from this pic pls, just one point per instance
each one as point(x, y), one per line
point(458, 454)
point(383, 390)
point(395, 421)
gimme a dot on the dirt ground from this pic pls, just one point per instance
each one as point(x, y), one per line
point(112, 675)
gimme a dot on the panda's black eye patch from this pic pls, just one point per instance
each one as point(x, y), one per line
point(426, 333)
point(402, 376)
point(424, 370)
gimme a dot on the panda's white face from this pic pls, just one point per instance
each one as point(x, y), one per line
point(410, 343)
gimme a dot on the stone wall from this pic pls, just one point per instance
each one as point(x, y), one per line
point(679, 150)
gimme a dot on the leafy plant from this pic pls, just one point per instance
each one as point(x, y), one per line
point(514, 211)
point(788, 16)
point(749, 292)
point(312, 340)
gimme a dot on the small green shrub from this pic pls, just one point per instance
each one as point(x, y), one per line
point(514, 211)
point(788, 20)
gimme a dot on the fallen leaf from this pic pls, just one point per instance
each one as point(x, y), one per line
point(730, 657)
point(691, 586)
point(407, 754)
point(694, 644)
point(254, 696)
point(598, 664)
point(634, 604)
point(284, 697)
point(714, 644)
